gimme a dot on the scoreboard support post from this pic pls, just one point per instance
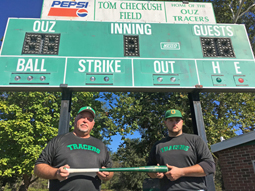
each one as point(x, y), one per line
point(197, 116)
point(64, 119)
point(199, 128)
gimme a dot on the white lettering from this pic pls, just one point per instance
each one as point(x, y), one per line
point(117, 65)
point(42, 66)
point(222, 29)
point(83, 68)
point(216, 29)
point(103, 65)
point(99, 66)
point(127, 28)
point(209, 30)
point(51, 27)
point(229, 29)
point(148, 29)
point(31, 65)
point(157, 66)
point(36, 26)
point(109, 66)
point(90, 61)
point(36, 69)
point(44, 26)
point(164, 70)
point(237, 67)
point(196, 30)
point(20, 65)
point(172, 65)
point(162, 66)
point(217, 66)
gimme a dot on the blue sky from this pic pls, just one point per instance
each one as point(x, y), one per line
point(18, 8)
point(32, 9)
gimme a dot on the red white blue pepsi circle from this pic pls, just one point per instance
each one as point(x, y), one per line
point(82, 12)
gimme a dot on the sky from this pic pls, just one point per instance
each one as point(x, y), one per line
point(32, 9)
point(20, 9)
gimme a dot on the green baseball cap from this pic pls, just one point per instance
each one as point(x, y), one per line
point(89, 109)
point(173, 113)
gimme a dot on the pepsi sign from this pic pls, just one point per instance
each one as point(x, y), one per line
point(68, 9)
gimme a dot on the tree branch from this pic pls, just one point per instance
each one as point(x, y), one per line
point(241, 2)
point(232, 11)
point(247, 10)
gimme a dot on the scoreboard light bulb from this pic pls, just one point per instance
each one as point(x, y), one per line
point(106, 78)
point(218, 80)
point(173, 79)
point(17, 78)
point(92, 78)
point(42, 78)
point(160, 79)
point(29, 78)
point(241, 80)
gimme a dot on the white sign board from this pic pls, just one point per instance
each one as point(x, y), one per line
point(129, 11)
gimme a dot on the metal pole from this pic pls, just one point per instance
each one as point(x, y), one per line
point(65, 111)
point(199, 129)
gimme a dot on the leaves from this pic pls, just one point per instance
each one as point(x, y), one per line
point(129, 155)
point(29, 120)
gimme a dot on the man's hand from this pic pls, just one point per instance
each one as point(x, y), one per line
point(62, 173)
point(158, 175)
point(174, 173)
point(105, 175)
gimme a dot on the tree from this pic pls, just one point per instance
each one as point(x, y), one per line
point(28, 121)
point(129, 154)
point(237, 12)
point(144, 112)
point(223, 114)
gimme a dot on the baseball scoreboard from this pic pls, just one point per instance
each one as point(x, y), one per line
point(42, 54)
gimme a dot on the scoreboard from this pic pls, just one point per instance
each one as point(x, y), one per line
point(41, 54)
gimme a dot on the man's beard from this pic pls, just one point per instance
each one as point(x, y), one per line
point(83, 130)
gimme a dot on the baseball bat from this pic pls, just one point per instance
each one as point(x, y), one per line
point(127, 169)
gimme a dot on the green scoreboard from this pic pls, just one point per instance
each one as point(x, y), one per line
point(40, 54)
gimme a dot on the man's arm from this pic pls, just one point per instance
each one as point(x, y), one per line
point(47, 172)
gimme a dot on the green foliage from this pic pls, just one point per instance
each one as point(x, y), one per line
point(29, 120)
point(238, 12)
point(129, 154)
point(223, 113)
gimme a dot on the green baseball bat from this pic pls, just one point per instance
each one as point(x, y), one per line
point(127, 169)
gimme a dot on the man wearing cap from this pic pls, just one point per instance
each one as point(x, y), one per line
point(75, 149)
point(186, 155)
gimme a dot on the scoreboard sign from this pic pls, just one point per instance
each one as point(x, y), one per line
point(114, 56)
point(126, 11)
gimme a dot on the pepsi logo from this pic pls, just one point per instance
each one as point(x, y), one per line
point(82, 12)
